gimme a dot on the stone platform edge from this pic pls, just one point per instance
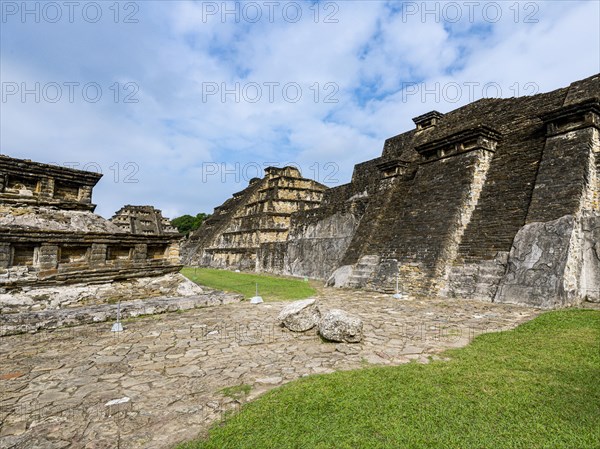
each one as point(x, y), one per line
point(32, 322)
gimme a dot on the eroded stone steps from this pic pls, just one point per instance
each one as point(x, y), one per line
point(362, 271)
point(475, 281)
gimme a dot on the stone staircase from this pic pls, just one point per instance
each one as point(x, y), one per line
point(362, 271)
point(477, 280)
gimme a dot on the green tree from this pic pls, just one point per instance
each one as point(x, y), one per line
point(187, 223)
point(200, 218)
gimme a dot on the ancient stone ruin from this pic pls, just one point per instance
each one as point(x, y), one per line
point(497, 201)
point(250, 230)
point(145, 220)
point(55, 252)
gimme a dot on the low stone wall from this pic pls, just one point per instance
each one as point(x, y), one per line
point(31, 322)
point(30, 299)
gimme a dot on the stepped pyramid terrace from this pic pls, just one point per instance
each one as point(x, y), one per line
point(497, 201)
point(250, 230)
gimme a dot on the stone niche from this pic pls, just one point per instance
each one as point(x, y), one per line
point(66, 191)
point(156, 252)
point(74, 254)
point(25, 255)
point(21, 185)
point(119, 252)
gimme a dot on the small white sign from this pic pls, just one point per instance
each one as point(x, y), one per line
point(117, 401)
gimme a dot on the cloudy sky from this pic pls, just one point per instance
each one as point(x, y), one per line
point(179, 104)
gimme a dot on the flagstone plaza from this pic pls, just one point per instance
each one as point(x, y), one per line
point(164, 373)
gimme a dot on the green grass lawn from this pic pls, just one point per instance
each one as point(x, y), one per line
point(537, 386)
point(271, 288)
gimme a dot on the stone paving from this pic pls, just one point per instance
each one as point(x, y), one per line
point(54, 386)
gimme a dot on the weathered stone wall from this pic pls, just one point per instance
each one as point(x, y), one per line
point(554, 264)
point(60, 258)
point(168, 293)
point(52, 297)
point(405, 227)
point(270, 257)
point(476, 279)
point(452, 195)
point(319, 238)
point(590, 278)
point(559, 191)
point(505, 197)
point(315, 247)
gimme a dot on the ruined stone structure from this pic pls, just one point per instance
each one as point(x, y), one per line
point(50, 237)
point(497, 200)
point(145, 220)
point(250, 230)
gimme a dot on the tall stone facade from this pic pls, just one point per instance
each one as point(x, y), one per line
point(50, 237)
point(496, 200)
point(250, 230)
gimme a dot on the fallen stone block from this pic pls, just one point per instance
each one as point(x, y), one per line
point(300, 316)
point(339, 326)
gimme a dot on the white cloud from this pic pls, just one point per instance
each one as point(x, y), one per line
point(174, 51)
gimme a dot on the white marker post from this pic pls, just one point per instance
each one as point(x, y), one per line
point(118, 327)
point(397, 295)
point(256, 299)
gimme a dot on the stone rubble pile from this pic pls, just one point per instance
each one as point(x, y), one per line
point(334, 325)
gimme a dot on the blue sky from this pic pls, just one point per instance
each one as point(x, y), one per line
point(178, 104)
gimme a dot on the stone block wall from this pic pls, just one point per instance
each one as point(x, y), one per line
point(558, 191)
point(590, 279)
point(76, 259)
point(270, 257)
point(443, 215)
point(315, 247)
